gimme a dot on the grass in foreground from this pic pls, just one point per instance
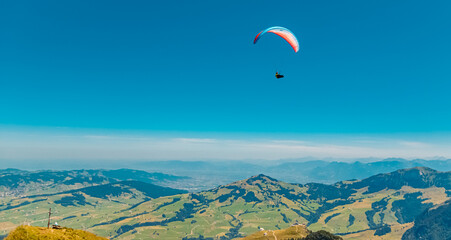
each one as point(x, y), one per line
point(32, 233)
point(296, 232)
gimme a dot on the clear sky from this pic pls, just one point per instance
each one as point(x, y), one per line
point(364, 67)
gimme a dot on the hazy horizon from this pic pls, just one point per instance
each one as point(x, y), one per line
point(58, 144)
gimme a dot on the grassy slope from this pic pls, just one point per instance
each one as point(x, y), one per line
point(288, 233)
point(32, 233)
point(77, 214)
point(217, 218)
point(224, 211)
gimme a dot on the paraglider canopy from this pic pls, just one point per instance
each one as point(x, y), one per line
point(282, 32)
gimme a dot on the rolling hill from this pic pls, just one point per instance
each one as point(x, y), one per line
point(15, 183)
point(352, 209)
point(383, 206)
point(79, 207)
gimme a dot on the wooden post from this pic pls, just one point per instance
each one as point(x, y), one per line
point(48, 223)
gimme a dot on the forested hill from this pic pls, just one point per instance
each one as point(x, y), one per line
point(14, 182)
point(432, 224)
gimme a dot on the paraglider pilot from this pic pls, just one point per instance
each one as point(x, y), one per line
point(278, 75)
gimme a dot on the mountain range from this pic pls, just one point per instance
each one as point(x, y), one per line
point(196, 176)
point(209, 174)
point(383, 206)
point(15, 182)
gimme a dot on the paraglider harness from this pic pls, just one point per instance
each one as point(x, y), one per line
point(279, 75)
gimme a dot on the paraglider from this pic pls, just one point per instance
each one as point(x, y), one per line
point(283, 33)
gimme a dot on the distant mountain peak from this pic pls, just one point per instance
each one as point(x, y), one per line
point(416, 171)
point(260, 180)
point(416, 177)
point(262, 177)
point(422, 169)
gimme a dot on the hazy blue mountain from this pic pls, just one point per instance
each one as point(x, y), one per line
point(7, 171)
point(138, 175)
point(209, 174)
point(329, 172)
point(221, 172)
point(418, 177)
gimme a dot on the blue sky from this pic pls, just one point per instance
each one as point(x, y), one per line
point(379, 67)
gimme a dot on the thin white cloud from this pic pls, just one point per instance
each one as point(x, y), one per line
point(62, 144)
point(294, 142)
point(195, 140)
point(414, 144)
